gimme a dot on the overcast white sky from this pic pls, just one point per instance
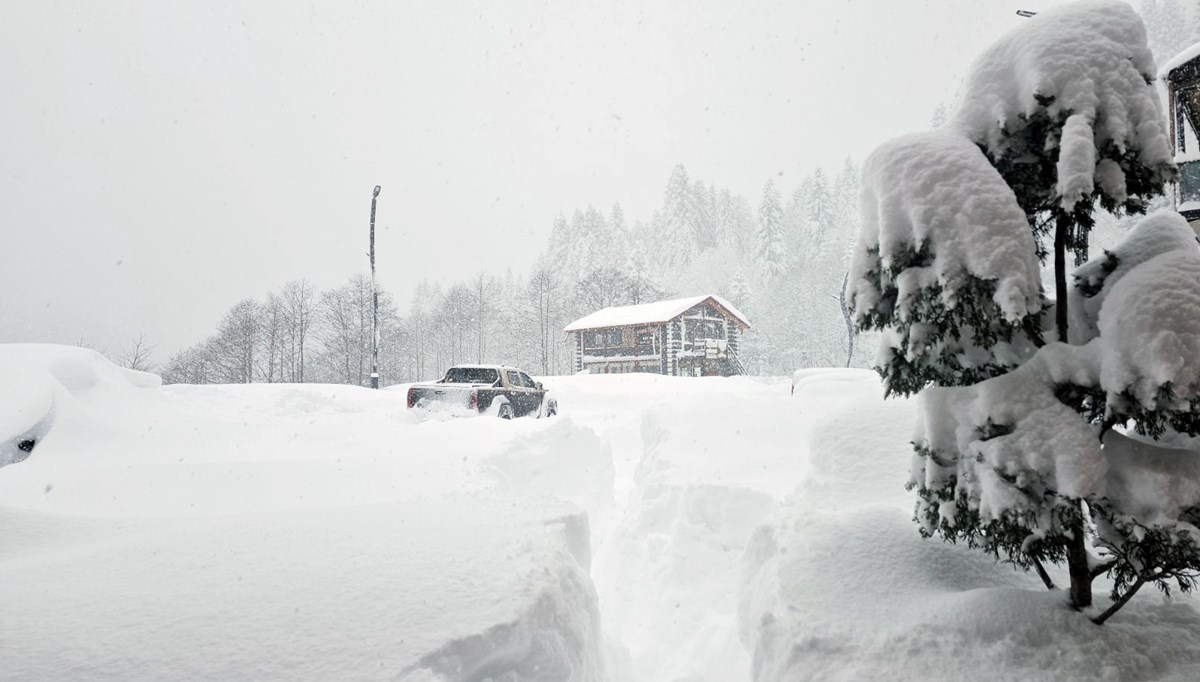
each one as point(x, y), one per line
point(161, 160)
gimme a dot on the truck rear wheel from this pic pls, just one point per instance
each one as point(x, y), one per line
point(505, 411)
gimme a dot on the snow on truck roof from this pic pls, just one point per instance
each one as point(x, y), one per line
point(650, 313)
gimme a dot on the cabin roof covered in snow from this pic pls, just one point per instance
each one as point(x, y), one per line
point(651, 313)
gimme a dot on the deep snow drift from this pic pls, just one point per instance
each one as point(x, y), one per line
point(283, 532)
point(659, 529)
point(839, 586)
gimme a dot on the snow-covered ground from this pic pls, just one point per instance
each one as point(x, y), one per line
point(658, 529)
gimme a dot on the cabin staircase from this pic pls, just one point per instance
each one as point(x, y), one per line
point(733, 365)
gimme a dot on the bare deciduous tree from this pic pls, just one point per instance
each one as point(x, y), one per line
point(138, 354)
point(299, 306)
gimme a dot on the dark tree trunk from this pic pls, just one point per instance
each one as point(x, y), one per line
point(849, 319)
point(1077, 556)
point(1077, 566)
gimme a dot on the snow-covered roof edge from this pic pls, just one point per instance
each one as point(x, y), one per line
point(650, 313)
point(1179, 60)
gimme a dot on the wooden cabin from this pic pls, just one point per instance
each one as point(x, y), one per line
point(696, 336)
point(1182, 76)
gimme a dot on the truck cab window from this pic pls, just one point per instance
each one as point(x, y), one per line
point(471, 375)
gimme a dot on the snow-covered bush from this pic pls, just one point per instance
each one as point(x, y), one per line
point(1023, 448)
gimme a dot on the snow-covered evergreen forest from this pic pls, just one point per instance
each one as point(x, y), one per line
point(781, 259)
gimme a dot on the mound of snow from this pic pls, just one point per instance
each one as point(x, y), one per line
point(455, 588)
point(28, 405)
point(565, 459)
point(861, 596)
point(40, 385)
point(266, 532)
point(853, 592)
point(845, 411)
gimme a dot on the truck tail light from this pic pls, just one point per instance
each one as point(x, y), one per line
point(412, 397)
point(473, 401)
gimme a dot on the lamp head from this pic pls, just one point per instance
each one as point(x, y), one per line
point(376, 192)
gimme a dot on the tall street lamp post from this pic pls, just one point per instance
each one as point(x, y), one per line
point(374, 300)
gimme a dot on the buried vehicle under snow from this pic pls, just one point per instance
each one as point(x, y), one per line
point(504, 391)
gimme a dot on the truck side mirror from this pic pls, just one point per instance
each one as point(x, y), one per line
point(539, 386)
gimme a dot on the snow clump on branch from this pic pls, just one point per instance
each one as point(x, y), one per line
point(1089, 61)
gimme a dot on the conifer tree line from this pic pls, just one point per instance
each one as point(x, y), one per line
point(781, 260)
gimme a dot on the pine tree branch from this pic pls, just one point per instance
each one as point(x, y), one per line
point(1124, 599)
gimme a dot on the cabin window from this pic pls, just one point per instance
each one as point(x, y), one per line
point(1188, 132)
point(607, 338)
point(1188, 101)
point(699, 330)
point(1189, 182)
point(645, 337)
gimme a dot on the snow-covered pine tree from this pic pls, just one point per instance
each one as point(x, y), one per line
point(603, 247)
point(769, 240)
point(1058, 116)
point(678, 219)
point(616, 220)
point(818, 205)
point(704, 219)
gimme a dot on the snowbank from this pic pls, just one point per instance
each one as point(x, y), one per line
point(281, 532)
point(455, 586)
point(852, 592)
point(37, 381)
point(728, 531)
point(569, 461)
